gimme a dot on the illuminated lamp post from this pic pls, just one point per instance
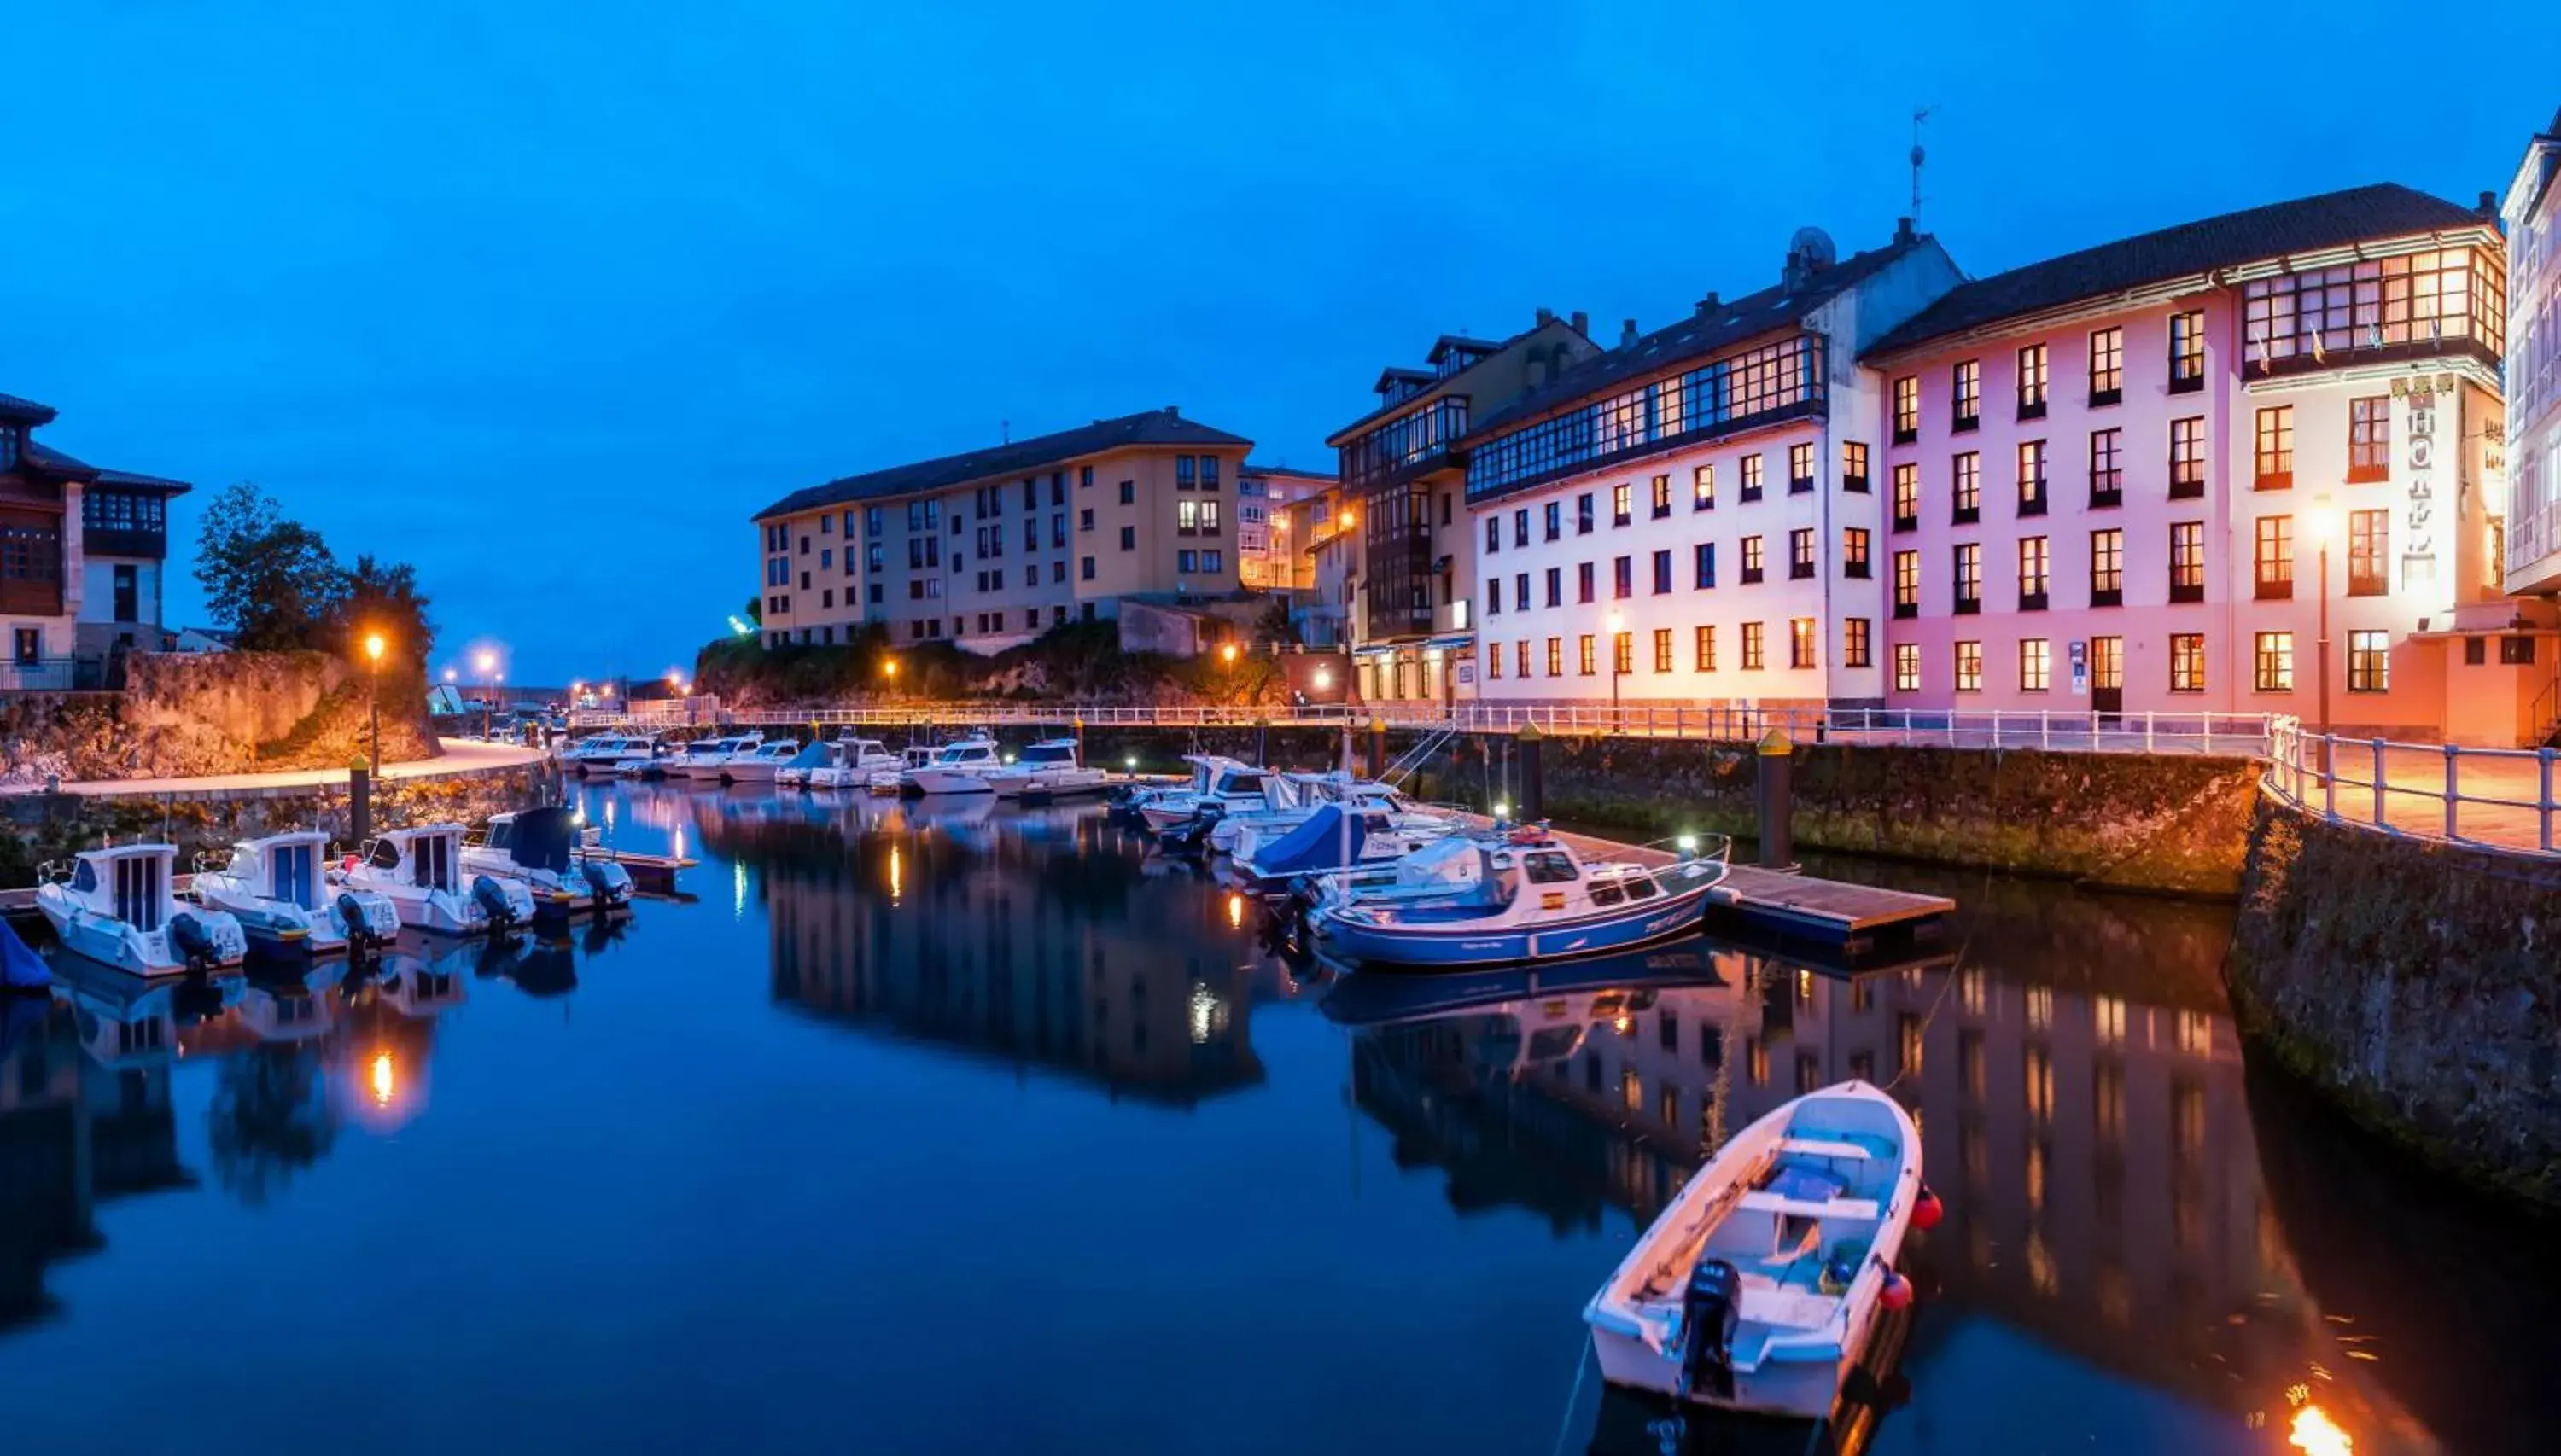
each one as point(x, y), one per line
point(372, 699)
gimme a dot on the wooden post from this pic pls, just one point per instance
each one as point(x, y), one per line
point(1533, 781)
point(359, 806)
point(1778, 802)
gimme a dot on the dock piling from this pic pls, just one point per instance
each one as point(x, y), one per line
point(1377, 748)
point(1778, 801)
point(360, 805)
point(1533, 775)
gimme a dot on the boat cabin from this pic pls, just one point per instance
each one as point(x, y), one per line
point(429, 857)
point(965, 754)
point(290, 868)
point(1052, 753)
point(128, 882)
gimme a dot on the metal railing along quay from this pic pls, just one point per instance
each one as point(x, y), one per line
point(2497, 797)
point(2141, 733)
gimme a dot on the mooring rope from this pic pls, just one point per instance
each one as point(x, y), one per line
point(1565, 1429)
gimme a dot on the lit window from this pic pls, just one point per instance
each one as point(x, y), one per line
point(1801, 643)
point(1907, 409)
point(1854, 642)
point(1970, 667)
point(1966, 399)
point(2031, 382)
point(2272, 459)
point(2369, 439)
point(2188, 662)
point(1907, 667)
point(2369, 662)
point(1752, 645)
point(2035, 664)
point(2106, 365)
point(2273, 659)
point(1705, 647)
point(2186, 351)
point(1966, 498)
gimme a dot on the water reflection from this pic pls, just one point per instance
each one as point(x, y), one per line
point(1037, 937)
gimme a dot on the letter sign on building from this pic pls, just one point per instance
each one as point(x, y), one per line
point(2419, 551)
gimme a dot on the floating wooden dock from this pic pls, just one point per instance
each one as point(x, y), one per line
point(1853, 927)
point(650, 873)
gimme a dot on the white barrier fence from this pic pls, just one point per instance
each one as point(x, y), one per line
point(2499, 797)
point(2143, 732)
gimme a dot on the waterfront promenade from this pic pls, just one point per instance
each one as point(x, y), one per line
point(461, 755)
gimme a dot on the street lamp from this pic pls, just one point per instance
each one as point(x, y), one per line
point(1617, 629)
point(487, 663)
point(373, 705)
point(2325, 526)
point(1227, 653)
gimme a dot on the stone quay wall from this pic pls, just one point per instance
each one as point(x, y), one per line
point(184, 714)
point(2174, 823)
point(2416, 983)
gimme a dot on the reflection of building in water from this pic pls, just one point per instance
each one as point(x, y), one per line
point(2091, 1147)
point(86, 1117)
point(1028, 939)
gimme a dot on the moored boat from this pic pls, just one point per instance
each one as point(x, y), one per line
point(704, 758)
point(1269, 860)
point(420, 871)
point(960, 766)
point(892, 778)
point(1218, 786)
point(1050, 768)
point(1759, 1287)
point(540, 848)
point(1507, 895)
point(851, 762)
point(118, 905)
point(759, 764)
point(277, 886)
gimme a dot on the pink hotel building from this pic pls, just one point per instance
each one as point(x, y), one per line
point(2091, 484)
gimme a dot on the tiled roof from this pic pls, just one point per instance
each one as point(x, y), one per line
point(18, 410)
point(1448, 342)
point(1253, 467)
point(54, 462)
point(1154, 428)
point(1395, 372)
point(1700, 335)
point(134, 480)
point(2306, 225)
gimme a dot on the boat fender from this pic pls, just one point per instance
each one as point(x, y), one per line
point(1898, 1291)
point(492, 901)
point(193, 941)
point(1927, 1210)
point(1711, 1311)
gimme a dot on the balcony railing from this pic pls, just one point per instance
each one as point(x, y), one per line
point(1407, 445)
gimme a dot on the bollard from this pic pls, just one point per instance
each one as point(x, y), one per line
point(1377, 750)
point(1533, 776)
point(359, 806)
point(1261, 745)
point(1778, 802)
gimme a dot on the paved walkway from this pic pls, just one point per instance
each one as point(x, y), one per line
point(462, 755)
point(2500, 797)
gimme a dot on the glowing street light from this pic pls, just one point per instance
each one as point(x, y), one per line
point(1227, 653)
point(373, 706)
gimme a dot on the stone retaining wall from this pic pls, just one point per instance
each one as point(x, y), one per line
point(2416, 982)
point(184, 714)
point(2170, 823)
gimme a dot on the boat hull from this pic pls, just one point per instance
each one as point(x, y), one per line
point(1427, 948)
point(1803, 1390)
point(923, 782)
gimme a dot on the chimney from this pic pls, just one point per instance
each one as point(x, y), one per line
point(1582, 323)
point(1902, 229)
point(1708, 304)
point(1628, 335)
point(2490, 204)
point(1546, 316)
point(1173, 412)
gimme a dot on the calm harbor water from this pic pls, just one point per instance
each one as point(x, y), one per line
point(962, 1128)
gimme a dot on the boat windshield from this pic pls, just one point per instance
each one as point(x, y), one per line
point(1049, 753)
point(1242, 782)
point(963, 753)
point(1450, 863)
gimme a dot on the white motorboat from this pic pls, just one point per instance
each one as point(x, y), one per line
point(278, 888)
point(1049, 768)
point(794, 773)
point(892, 779)
point(1759, 1287)
point(538, 849)
point(704, 758)
point(118, 907)
point(759, 764)
point(960, 766)
point(852, 763)
point(1221, 786)
point(420, 871)
point(607, 752)
point(1336, 836)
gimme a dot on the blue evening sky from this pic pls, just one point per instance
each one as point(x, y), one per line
point(548, 297)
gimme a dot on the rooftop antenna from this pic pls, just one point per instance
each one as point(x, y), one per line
point(1005, 427)
point(1917, 157)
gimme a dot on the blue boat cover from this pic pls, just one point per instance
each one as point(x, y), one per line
point(1313, 846)
point(541, 837)
point(20, 969)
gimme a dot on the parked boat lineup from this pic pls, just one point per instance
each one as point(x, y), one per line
point(704, 759)
point(759, 764)
point(1052, 768)
point(1759, 1287)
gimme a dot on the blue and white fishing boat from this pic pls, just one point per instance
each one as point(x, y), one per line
point(1760, 1287)
point(1507, 895)
point(541, 849)
point(120, 907)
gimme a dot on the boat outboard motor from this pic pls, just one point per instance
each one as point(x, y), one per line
point(492, 901)
point(1711, 1309)
point(360, 932)
point(610, 880)
point(192, 939)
